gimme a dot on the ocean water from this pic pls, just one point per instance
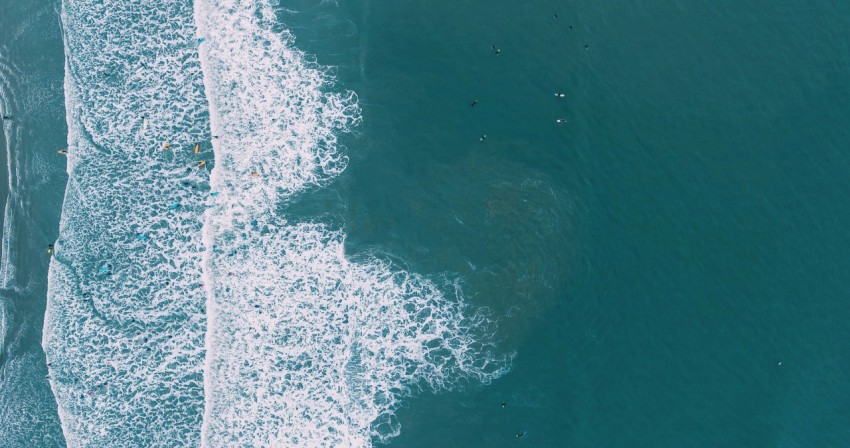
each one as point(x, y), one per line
point(282, 224)
point(32, 179)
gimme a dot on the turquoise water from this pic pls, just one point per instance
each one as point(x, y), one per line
point(666, 268)
point(31, 186)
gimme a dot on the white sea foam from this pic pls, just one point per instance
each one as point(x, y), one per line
point(305, 347)
point(312, 349)
point(125, 319)
point(264, 324)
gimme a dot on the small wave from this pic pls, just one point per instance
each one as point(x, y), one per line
point(309, 348)
point(274, 113)
point(304, 346)
point(125, 317)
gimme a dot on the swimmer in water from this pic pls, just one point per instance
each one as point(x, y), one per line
point(473, 103)
point(560, 95)
point(62, 151)
point(483, 137)
point(561, 120)
point(496, 50)
point(7, 117)
point(520, 434)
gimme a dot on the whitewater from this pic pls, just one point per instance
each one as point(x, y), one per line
point(185, 308)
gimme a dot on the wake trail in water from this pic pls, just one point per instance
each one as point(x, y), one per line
point(305, 347)
point(126, 315)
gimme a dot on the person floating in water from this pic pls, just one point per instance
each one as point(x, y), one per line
point(62, 151)
point(202, 163)
point(498, 51)
point(561, 120)
point(473, 103)
point(520, 434)
point(560, 95)
point(504, 405)
point(49, 249)
point(483, 137)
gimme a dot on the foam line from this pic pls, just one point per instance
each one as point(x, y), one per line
point(125, 316)
point(305, 347)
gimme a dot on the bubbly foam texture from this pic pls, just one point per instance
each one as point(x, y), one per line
point(276, 118)
point(156, 314)
point(311, 349)
point(305, 347)
point(125, 320)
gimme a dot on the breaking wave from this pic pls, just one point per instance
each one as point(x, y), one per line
point(125, 318)
point(185, 307)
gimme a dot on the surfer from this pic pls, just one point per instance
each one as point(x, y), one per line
point(197, 148)
point(483, 137)
point(560, 95)
point(473, 103)
point(49, 249)
point(520, 434)
point(498, 51)
point(166, 146)
point(7, 117)
point(202, 163)
point(561, 120)
point(62, 151)
point(504, 405)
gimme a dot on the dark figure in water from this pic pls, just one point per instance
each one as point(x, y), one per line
point(483, 137)
point(497, 50)
point(7, 117)
point(520, 434)
point(49, 249)
point(473, 103)
point(504, 405)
